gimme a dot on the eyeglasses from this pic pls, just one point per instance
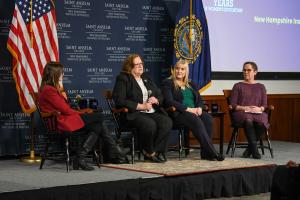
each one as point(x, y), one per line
point(247, 70)
point(138, 64)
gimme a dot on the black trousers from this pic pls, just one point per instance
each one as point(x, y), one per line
point(285, 184)
point(153, 129)
point(253, 130)
point(201, 127)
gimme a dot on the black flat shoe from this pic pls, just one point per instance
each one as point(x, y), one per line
point(153, 159)
point(218, 157)
point(256, 156)
point(162, 157)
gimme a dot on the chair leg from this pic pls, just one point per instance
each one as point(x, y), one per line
point(67, 154)
point(235, 133)
point(132, 149)
point(261, 143)
point(97, 158)
point(186, 142)
point(230, 143)
point(44, 155)
point(269, 144)
point(180, 144)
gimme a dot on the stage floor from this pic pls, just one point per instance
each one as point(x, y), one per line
point(18, 176)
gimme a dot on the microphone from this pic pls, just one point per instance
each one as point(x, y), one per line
point(149, 93)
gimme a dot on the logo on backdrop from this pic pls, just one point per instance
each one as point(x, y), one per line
point(153, 13)
point(187, 38)
point(79, 53)
point(118, 11)
point(78, 8)
point(223, 6)
point(64, 30)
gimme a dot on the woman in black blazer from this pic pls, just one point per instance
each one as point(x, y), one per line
point(140, 95)
point(184, 96)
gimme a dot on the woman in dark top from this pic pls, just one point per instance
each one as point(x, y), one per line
point(184, 96)
point(140, 95)
point(249, 100)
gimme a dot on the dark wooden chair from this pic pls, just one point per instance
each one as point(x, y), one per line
point(53, 136)
point(233, 143)
point(183, 138)
point(121, 128)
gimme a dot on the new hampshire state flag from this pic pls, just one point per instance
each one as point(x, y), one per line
point(191, 42)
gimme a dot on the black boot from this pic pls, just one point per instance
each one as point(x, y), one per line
point(254, 150)
point(80, 161)
point(113, 152)
point(247, 153)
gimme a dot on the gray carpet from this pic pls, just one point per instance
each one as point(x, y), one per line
point(16, 175)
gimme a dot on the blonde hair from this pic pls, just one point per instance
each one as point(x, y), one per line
point(186, 77)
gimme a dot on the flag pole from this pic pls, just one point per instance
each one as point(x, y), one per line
point(30, 29)
point(190, 29)
point(32, 158)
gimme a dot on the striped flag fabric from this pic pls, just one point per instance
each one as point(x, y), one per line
point(33, 42)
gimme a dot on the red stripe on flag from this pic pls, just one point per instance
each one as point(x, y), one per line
point(51, 39)
point(45, 50)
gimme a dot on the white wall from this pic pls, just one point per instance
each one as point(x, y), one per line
point(273, 87)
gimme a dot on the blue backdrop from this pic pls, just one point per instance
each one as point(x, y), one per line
point(94, 38)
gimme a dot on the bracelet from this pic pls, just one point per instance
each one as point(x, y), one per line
point(262, 108)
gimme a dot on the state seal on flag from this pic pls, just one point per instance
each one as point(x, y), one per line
point(188, 35)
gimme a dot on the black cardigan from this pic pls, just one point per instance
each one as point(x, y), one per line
point(174, 97)
point(127, 93)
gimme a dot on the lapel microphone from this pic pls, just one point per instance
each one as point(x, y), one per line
point(149, 93)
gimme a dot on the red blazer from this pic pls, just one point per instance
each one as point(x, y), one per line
point(50, 99)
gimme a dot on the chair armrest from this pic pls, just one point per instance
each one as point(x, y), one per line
point(269, 108)
point(170, 109)
point(120, 110)
point(50, 114)
point(205, 108)
point(230, 107)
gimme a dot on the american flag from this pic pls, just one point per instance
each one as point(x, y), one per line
point(32, 41)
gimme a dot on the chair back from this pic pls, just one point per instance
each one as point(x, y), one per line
point(48, 120)
point(227, 95)
point(114, 111)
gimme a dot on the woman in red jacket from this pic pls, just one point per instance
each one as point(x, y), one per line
point(52, 99)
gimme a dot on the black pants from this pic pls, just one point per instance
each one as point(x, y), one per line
point(201, 127)
point(285, 184)
point(253, 130)
point(153, 129)
point(94, 123)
